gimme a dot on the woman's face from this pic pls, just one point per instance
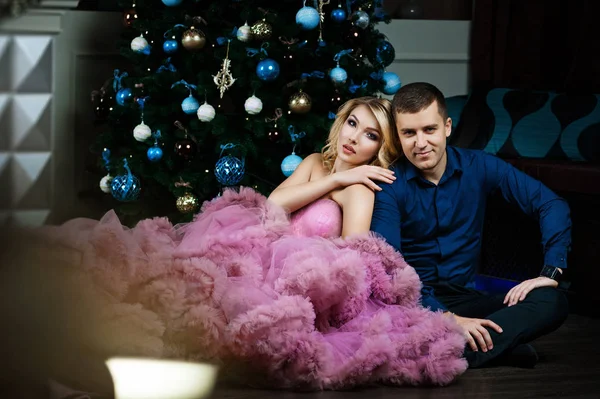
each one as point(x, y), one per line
point(360, 138)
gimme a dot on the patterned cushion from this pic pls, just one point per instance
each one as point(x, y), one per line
point(515, 123)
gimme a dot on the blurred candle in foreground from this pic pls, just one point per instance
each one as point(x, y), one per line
point(136, 378)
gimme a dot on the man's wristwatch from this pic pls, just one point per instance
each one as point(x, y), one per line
point(551, 272)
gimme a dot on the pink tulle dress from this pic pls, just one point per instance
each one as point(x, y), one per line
point(276, 300)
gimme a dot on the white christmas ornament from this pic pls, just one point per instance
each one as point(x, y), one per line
point(139, 44)
point(105, 184)
point(142, 132)
point(206, 112)
point(253, 105)
point(243, 33)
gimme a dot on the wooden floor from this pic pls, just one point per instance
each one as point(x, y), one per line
point(569, 367)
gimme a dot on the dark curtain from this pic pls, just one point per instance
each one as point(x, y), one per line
point(536, 44)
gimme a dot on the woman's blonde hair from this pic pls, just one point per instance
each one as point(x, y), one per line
point(382, 111)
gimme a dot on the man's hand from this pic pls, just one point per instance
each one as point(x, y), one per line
point(476, 333)
point(519, 292)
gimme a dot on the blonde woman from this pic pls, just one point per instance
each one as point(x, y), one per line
point(362, 144)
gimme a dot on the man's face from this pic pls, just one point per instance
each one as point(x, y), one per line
point(423, 139)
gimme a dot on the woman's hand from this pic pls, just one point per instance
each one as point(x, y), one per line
point(366, 175)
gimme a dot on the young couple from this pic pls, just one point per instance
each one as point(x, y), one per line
point(294, 291)
point(430, 208)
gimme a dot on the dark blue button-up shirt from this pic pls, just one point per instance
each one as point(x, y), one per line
point(438, 228)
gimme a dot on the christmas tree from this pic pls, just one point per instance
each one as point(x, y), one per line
point(230, 92)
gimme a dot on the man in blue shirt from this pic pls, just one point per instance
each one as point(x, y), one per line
point(433, 214)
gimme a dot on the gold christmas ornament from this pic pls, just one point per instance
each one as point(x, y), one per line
point(224, 79)
point(300, 103)
point(193, 39)
point(187, 203)
point(322, 17)
point(261, 30)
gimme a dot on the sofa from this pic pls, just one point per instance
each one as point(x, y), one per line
point(555, 138)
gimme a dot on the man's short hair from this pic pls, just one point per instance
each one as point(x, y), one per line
point(415, 97)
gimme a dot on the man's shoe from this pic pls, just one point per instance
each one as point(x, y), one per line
point(522, 356)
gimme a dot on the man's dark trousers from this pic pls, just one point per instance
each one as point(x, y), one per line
point(541, 312)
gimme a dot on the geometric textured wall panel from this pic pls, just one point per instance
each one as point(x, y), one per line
point(32, 64)
point(5, 121)
point(28, 218)
point(5, 185)
point(5, 63)
point(31, 122)
point(26, 171)
point(31, 178)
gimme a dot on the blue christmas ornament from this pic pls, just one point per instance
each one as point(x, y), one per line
point(172, 3)
point(229, 170)
point(154, 154)
point(290, 163)
point(125, 188)
point(170, 46)
point(267, 70)
point(307, 18)
point(383, 54)
point(190, 105)
point(338, 75)
point(124, 96)
point(391, 83)
point(338, 15)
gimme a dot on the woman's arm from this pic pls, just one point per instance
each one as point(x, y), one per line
point(297, 190)
point(357, 207)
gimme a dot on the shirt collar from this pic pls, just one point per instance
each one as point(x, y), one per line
point(453, 165)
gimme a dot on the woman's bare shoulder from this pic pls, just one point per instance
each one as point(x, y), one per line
point(355, 193)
